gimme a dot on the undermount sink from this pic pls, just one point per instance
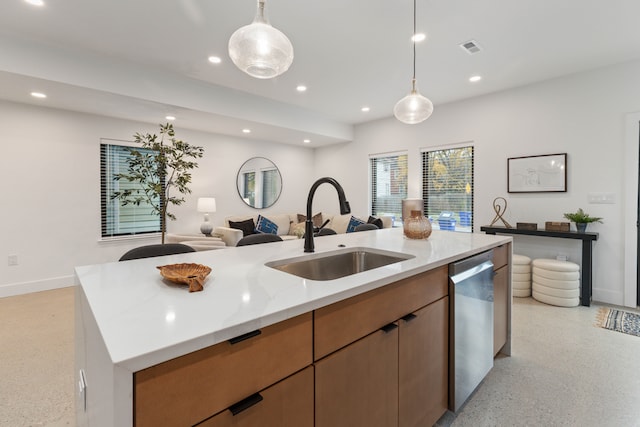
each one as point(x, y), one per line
point(338, 264)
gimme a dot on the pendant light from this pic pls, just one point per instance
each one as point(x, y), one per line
point(413, 108)
point(260, 50)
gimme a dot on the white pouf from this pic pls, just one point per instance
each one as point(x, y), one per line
point(520, 276)
point(556, 282)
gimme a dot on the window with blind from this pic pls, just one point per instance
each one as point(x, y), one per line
point(388, 184)
point(118, 220)
point(447, 188)
point(270, 187)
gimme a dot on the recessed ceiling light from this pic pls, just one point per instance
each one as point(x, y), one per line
point(215, 59)
point(35, 2)
point(38, 95)
point(365, 109)
point(170, 118)
point(418, 37)
point(301, 88)
point(306, 141)
point(246, 130)
point(474, 79)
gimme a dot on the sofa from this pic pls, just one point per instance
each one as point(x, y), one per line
point(291, 225)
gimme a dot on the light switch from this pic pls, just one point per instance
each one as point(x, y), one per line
point(601, 198)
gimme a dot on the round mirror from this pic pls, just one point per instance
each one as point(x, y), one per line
point(259, 182)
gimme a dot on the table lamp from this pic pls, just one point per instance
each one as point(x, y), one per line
point(206, 205)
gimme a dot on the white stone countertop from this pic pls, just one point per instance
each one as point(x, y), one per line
point(145, 320)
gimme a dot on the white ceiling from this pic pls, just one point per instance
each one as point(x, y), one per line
point(144, 59)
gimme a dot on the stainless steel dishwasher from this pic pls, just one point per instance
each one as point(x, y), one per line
point(471, 339)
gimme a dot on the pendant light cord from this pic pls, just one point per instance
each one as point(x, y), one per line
point(413, 39)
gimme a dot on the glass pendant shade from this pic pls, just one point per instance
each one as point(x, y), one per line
point(413, 108)
point(260, 50)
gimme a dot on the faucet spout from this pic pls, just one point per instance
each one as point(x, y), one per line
point(308, 225)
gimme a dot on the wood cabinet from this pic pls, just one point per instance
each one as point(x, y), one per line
point(387, 355)
point(358, 385)
point(193, 387)
point(423, 365)
point(501, 296)
point(288, 403)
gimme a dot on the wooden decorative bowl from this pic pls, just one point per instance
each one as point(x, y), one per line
point(193, 275)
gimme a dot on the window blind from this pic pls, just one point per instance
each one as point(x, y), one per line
point(388, 184)
point(270, 180)
point(118, 220)
point(447, 187)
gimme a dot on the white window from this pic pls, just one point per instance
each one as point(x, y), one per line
point(388, 184)
point(447, 188)
point(119, 220)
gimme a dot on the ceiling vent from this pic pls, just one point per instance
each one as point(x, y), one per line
point(471, 47)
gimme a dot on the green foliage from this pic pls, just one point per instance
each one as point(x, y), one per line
point(580, 217)
point(159, 172)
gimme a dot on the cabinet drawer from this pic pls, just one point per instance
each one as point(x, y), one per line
point(191, 388)
point(288, 403)
point(501, 256)
point(347, 321)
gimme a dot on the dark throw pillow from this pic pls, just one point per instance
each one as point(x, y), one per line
point(375, 221)
point(247, 226)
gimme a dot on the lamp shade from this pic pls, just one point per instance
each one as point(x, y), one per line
point(413, 108)
point(206, 204)
point(260, 50)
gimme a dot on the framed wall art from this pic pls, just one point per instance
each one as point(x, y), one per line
point(546, 173)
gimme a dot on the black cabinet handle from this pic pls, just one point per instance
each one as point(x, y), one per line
point(245, 404)
point(409, 317)
point(246, 336)
point(388, 328)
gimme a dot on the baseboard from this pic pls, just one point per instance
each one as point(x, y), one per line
point(607, 296)
point(13, 289)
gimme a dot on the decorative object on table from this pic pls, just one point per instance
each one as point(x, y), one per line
point(259, 49)
point(413, 108)
point(500, 210)
point(158, 172)
point(417, 226)
point(206, 205)
point(619, 321)
point(582, 219)
point(537, 174)
point(193, 275)
point(526, 226)
point(410, 205)
point(556, 226)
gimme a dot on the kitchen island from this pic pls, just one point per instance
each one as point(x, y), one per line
point(129, 320)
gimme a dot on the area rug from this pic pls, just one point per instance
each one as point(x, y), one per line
point(618, 320)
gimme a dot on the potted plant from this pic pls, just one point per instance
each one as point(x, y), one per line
point(582, 219)
point(157, 173)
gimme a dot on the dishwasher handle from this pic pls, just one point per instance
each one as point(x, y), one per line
point(470, 263)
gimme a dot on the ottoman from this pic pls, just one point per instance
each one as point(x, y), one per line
point(521, 276)
point(556, 282)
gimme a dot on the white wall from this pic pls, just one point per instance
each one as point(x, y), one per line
point(50, 187)
point(582, 115)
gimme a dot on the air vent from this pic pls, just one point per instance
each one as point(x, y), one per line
point(471, 47)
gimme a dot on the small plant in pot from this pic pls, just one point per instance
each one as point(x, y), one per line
point(582, 219)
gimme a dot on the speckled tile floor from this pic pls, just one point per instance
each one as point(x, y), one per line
point(564, 371)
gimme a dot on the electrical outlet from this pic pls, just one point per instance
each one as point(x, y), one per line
point(562, 257)
point(13, 260)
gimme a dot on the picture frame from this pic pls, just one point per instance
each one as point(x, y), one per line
point(546, 173)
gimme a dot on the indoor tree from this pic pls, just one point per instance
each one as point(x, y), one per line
point(164, 165)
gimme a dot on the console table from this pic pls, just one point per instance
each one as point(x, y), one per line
point(587, 252)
